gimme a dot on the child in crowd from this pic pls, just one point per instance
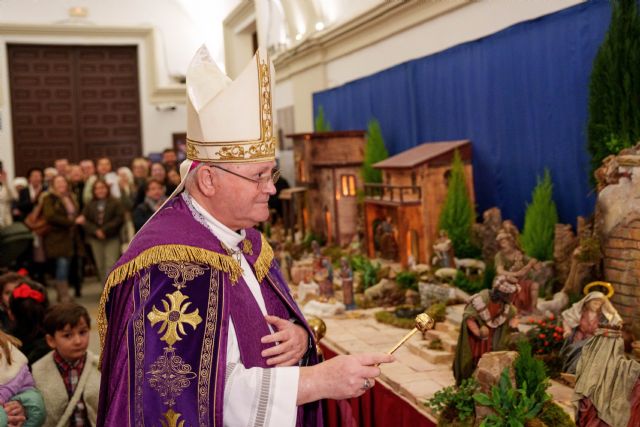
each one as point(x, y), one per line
point(8, 282)
point(68, 376)
point(28, 304)
point(17, 385)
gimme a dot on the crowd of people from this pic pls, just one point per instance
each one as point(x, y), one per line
point(80, 217)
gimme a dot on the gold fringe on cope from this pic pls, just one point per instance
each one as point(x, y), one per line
point(263, 263)
point(161, 253)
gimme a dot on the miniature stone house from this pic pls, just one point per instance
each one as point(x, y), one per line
point(328, 164)
point(411, 197)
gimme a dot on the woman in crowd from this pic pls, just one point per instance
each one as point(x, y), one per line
point(158, 173)
point(60, 210)
point(140, 170)
point(127, 187)
point(154, 198)
point(102, 219)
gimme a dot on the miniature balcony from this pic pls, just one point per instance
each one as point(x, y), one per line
point(392, 194)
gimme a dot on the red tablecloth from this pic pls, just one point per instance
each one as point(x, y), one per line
point(379, 406)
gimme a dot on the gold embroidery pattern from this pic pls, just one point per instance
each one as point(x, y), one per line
point(171, 419)
point(174, 317)
point(264, 74)
point(206, 355)
point(257, 150)
point(169, 376)
point(192, 151)
point(156, 255)
point(138, 337)
point(247, 247)
point(181, 272)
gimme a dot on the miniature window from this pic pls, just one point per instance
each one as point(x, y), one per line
point(348, 185)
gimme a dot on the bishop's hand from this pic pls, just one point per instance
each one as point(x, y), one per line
point(292, 342)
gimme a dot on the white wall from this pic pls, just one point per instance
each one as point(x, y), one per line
point(477, 20)
point(180, 27)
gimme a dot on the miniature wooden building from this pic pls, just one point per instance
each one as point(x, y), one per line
point(328, 164)
point(410, 198)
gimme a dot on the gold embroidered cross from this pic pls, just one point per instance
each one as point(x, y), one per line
point(172, 419)
point(174, 317)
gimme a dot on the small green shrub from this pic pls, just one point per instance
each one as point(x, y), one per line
point(369, 270)
point(407, 280)
point(458, 214)
point(438, 311)
point(456, 399)
point(512, 406)
point(540, 221)
point(408, 311)
point(374, 151)
point(389, 318)
point(589, 250)
point(309, 238)
point(531, 373)
point(435, 344)
point(553, 415)
point(321, 124)
point(334, 253)
point(468, 285)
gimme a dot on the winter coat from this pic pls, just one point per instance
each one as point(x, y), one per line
point(111, 222)
point(59, 242)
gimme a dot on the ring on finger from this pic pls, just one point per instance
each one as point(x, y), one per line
point(367, 384)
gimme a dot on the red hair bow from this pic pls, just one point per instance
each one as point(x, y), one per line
point(25, 291)
point(23, 272)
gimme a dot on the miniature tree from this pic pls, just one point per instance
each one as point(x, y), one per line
point(374, 152)
point(321, 124)
point(614, 100)
point(458, 214)
point(540, 221)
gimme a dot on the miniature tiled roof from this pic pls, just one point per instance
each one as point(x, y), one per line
point(420, 154)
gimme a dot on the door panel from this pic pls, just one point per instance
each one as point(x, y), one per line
point(75, 102)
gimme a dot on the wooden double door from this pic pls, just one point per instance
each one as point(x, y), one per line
point(74, 102)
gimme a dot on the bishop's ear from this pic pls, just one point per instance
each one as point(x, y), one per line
point(207, 180)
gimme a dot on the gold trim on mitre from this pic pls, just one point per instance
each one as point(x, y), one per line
point(257, 150)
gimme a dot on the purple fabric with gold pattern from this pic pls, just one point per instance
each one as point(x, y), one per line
point(164, 356)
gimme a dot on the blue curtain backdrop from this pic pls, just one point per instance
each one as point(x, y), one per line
point(520, 95)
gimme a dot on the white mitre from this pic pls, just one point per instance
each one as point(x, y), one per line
point(230, 121)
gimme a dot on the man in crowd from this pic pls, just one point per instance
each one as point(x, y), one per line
point(62, 166)
point(88, 169)
point(104, 171)
point(170, 159)
point(198, 326)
